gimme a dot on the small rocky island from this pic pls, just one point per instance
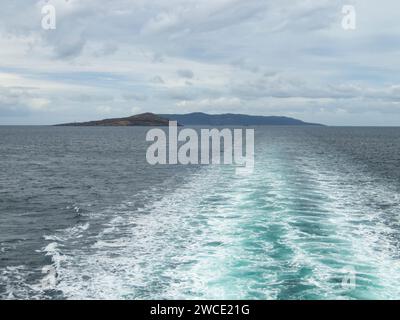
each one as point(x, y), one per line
point(144, 119)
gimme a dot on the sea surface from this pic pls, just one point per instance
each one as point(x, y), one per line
point(83, 216)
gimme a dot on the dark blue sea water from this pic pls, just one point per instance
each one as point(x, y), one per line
point(82, 215)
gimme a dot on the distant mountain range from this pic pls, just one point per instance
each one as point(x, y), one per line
point(195, 119)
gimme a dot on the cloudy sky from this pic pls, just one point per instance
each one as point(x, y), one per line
point(114, 58)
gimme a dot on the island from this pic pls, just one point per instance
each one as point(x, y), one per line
point(195, 119)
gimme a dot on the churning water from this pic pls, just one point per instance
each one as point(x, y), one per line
point(82, 215)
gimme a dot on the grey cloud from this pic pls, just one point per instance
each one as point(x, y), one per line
point(288, 55)
point(68, 50)
point(157, 57)
point(19, 101)
point(12, 110)
point(157, 79)
point(89, 98)
point(245, 65)
point(180, 94)
point(107, 49)
point(116, 22)
point(185, 73)
point(135, 96)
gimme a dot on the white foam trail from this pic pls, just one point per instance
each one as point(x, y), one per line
point(288, 231)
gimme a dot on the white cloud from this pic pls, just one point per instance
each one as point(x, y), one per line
point(39, 104)
point(136, 110)
point(221, 104)
point(103, 109)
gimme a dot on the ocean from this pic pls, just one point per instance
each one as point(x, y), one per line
point(83, 216)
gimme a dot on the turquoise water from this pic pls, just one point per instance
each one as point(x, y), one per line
point(321, 206)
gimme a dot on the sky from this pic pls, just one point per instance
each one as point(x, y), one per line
point(116, 58)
